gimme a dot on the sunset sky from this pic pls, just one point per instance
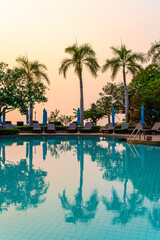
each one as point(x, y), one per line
point(43, 28)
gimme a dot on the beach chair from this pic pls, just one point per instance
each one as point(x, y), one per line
point(37, 127)
point(123, 128)
point(87, 127)
point(50, 128)
point(72, 127)
point(153, 130)
point(8, 125)
point(109, 129)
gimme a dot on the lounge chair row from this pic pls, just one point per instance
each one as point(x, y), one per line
point(125, 128)
point(72, 127)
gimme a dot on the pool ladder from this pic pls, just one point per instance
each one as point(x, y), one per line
point(138, 131)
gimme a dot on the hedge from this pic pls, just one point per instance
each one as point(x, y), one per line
point(24, 128)
point(8, 131)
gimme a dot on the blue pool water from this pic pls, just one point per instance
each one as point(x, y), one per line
point(72, 188)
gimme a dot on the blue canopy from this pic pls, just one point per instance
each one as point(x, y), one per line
point(142, 116)
point(78, 116)
point(44, 117)
point(4, 117)
point(1, 120)
point(27, 117)
point(113, 122)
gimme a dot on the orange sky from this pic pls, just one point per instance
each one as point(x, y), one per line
point(43, 28)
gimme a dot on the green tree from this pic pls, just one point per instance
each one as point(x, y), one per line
point(145, 90)
point(54, 116)
point(11, 90)
point(113, 95)
point(65, 120)
point(82, 55)
point(127, 61)
point(34, 72)
point(94, 113)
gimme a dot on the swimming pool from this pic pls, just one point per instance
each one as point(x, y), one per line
point(75, 188)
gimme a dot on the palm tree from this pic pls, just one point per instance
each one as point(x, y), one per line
point(154, 52)
point(34, 72)
point(127, 61)
point(80, 56)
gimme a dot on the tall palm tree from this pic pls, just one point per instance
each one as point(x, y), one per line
point(154, 52)
point(125, 60)
point(34, 72)
point(82, 55)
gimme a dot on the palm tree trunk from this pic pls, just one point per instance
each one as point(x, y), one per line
point(126, 98)
point(30, 114)
point(81, 100)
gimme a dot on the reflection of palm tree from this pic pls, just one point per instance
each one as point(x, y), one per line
point(57, 149)
point(154, 217)
point(22, 185)
point(132, 207)
point(78, 210)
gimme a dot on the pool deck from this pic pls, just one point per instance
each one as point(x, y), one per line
point(138, 140)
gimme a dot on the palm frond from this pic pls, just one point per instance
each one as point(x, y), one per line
point(136, 57)
point(80, 55)
point(111, 63)
point(65, 64)
point(23, 62)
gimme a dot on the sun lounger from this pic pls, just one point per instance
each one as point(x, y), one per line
point(109, 129)
point(87, 127)
point(123, 128)
point(51, 128)
point(153, 130)
point(37, 127)
point(8, 125)
point(72, 127)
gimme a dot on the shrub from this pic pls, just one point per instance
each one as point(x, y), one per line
point(95, 128)
point(61, 128)
point(24, 128)
point(8, 131)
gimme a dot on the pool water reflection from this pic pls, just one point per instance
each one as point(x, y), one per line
point(78, 188)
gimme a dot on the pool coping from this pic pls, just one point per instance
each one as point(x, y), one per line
point(124, 137)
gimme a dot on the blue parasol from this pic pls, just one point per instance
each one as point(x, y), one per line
point(4, 117)
point(142, 116)
point(27, 117)
point(1, 120)
point(44, 117)
point(78, 117)
point(113, 122)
